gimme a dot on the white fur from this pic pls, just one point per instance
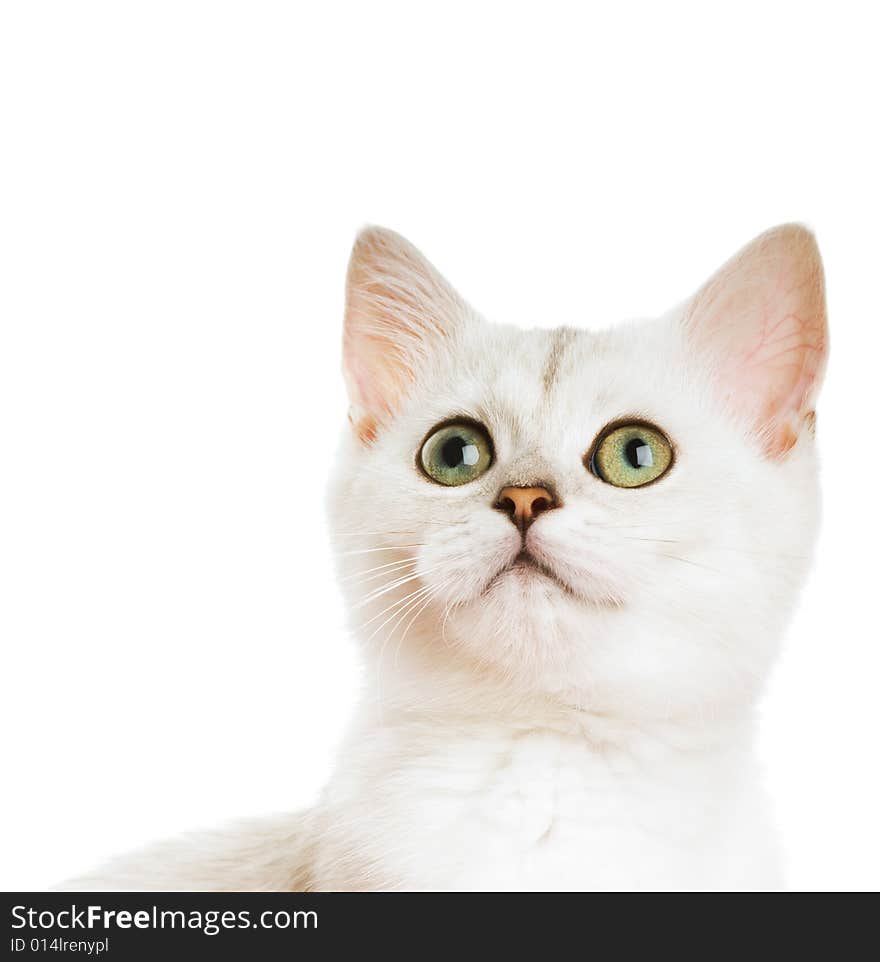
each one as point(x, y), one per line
point(515, 733)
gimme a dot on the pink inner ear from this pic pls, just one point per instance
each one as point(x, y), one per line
point(780, 367)
point(762, 318)
point(372, 387)
point(398, 311)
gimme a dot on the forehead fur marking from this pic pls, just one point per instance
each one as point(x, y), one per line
point(560, 340)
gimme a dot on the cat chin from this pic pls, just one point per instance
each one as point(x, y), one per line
point(523, 610)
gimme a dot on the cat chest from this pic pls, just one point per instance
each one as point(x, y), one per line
point(541, 812)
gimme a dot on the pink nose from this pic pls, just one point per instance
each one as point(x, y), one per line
point(523, 505)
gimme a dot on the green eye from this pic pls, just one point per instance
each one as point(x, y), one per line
point(631, 455)
point(456, 453)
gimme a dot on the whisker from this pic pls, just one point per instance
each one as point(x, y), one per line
point(425, 602)
point(688, 561)
point(408, 600)
point(375, 534)
point(391, 607)
point(711, 546)
point(385, 588)
point(396, 583)
point(393, 547)
point(446, 613)
point(397, 617)
point(653, 540)
point(377, 571)
point(409, 576)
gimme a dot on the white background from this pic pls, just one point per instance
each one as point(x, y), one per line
point(180, 186)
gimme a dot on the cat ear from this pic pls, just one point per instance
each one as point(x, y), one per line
point(761, 323)
point(398, 311)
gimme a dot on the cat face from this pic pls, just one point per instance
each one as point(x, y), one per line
point(618, 520)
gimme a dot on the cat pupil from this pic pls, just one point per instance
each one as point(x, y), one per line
point(639, 454)
point(452, 451)
point(457, 451)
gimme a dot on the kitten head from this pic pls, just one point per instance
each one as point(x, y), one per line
point(620, 519)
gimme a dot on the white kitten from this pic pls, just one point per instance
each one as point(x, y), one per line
point(570, 557)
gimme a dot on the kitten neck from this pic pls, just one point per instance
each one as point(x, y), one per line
point(420, 689)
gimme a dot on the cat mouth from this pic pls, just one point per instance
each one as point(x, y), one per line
point(526, 569)
point(526, 563)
